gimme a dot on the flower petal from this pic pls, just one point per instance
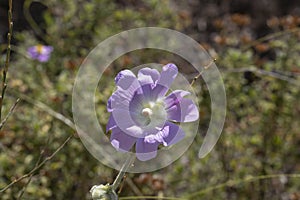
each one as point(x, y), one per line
point(151, 93)
point(148, 76)
point(43, 57)
point(146, 150)
point(121, 141)
point(167, 76)
point(168, 135)
point(128, 86)
point(120, 99)
point(32, 52)
point(125, 122)
point(125, 79)
point(108, 105)
point(111, 124)
point(175, 97)
point(171, 134)
point(119, 102)
point(184, 111)
point(135, 108)
point(47, 49)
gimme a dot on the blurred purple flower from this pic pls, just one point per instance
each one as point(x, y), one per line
point(141, 114)
point(40, 52)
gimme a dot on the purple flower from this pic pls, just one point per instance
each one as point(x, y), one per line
point(40, 52)
point(141, 114)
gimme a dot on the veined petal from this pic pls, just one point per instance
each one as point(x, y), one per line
point(119, 99)
point(122, 141)
point(135, 108)
point(125, 122)
point(151, 93)
point(159, 91)
point(145, 150)
point(128, 86)
point(184, 111)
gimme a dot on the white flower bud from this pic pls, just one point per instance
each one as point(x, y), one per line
point(103, 192)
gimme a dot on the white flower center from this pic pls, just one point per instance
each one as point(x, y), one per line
point(147, 112)
point(152, 115)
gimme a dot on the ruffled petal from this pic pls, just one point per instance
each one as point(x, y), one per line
point(148, 76)
point(119, 99)
point(128, 86)
point(121, 141)
point(146, 149)
point(125, 79)
point(184, 111)
point(168, 135)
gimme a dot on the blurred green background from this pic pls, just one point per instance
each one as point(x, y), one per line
point(256, 44)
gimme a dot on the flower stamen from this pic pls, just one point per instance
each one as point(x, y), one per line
point(39, 48)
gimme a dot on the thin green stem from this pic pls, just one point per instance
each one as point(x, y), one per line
point(200, 73)
point(130, 159)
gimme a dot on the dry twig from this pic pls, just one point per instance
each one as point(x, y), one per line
point(5, 69)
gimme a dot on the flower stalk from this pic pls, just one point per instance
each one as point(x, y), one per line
point(108, 192)
point(123, 170)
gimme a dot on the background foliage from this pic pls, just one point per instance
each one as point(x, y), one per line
point(257, 50)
